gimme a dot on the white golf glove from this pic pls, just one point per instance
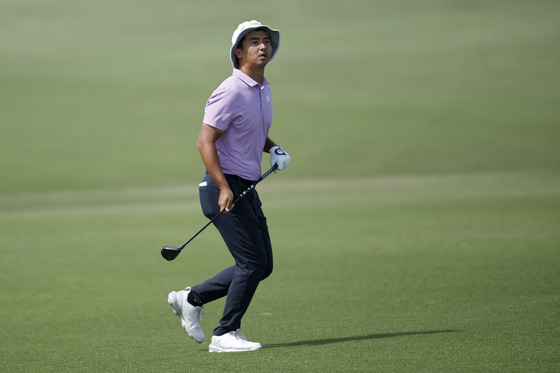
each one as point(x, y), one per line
point(279, 157)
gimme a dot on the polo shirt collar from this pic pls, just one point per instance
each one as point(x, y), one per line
point(247, 79)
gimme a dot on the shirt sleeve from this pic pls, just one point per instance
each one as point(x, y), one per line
point(220, 109)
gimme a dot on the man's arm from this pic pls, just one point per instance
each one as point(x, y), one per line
point(206, 144)
point(268, 145)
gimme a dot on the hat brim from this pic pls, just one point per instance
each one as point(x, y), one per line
point(274, 40)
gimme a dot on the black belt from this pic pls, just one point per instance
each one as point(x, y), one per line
point(240, 179)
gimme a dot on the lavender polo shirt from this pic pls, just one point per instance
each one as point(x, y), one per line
point(243, 109)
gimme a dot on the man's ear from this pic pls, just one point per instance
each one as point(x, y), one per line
point(238, 52)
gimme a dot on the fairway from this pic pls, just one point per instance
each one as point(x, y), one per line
point(427, 273)
point(416, 229)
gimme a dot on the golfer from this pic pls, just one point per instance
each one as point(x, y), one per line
point(232, 140)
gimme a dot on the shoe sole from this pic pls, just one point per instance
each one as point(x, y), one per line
point(212, 348)
point(172, 300)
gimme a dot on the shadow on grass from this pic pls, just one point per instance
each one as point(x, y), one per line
point(318, 342)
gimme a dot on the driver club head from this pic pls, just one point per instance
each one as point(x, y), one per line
point(170, 252)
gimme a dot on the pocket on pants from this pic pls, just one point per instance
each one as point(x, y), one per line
point(209, 193)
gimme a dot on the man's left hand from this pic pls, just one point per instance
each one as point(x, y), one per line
point(279, 157)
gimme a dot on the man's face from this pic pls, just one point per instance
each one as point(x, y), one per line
point(257, 49)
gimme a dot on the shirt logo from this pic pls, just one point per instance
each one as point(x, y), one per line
point(267, 98)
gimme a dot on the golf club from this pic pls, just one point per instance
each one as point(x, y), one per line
point(170, 252)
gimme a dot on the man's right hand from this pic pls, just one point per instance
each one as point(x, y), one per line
point(226, 199)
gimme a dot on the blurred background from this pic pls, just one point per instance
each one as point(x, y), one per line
point(111, 93)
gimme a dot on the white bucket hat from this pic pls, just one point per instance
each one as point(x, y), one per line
point(246, 27)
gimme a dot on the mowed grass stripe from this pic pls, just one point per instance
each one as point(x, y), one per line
point(172, 197)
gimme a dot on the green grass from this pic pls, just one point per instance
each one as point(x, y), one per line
point(427, 273)
point(415, 230)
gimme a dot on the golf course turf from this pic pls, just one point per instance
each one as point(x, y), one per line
point(415, 230)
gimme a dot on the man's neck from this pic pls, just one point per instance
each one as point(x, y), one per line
point(257, 74)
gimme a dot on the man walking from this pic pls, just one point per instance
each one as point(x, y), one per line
point(232, 139)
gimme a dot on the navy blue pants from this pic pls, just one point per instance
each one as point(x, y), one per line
point(245, 233)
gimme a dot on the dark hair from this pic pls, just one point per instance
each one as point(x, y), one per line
point(240, 44)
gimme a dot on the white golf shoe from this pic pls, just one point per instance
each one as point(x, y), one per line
point(189, 314)
point(232, 342)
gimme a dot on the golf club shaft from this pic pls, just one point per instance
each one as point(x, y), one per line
point(272, 169)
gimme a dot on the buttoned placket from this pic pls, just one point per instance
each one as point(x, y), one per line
point(261, 89)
